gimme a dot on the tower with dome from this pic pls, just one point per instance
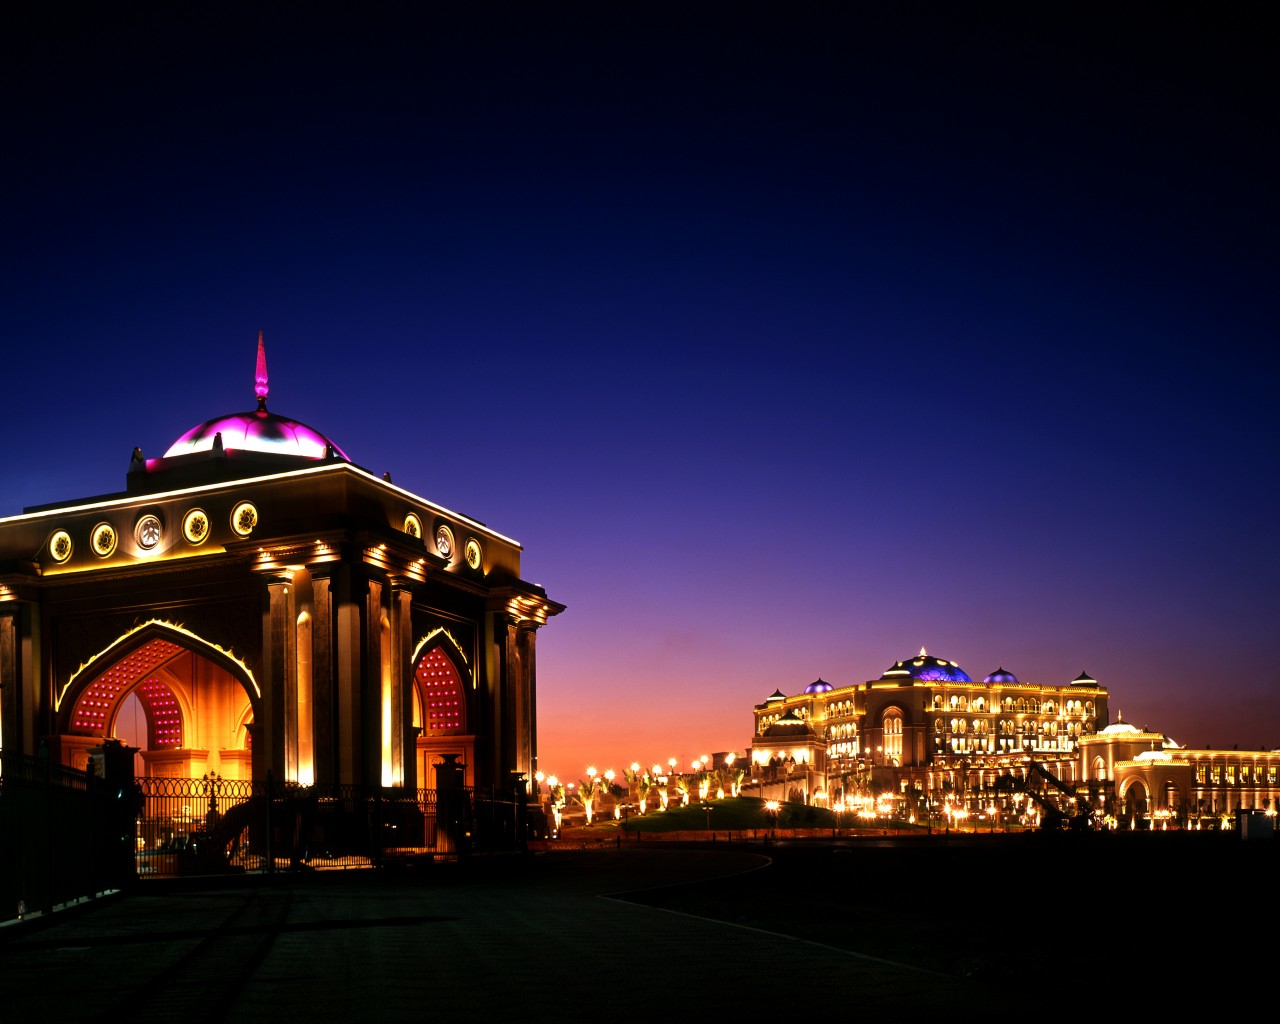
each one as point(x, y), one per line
point(254, 604)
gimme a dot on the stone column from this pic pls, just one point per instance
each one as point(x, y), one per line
point(374, 685)
point(403, 743)
point(348, 679)
point(322, 682)
point(279, 678)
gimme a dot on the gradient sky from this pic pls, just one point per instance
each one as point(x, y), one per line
point(785, 343)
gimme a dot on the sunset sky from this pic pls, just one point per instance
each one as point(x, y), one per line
point(785, 343)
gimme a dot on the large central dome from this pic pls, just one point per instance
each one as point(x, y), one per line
point(258, 431)
point(234, 446)
point(928, 668)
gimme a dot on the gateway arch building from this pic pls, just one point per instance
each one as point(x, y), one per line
point(255, 605)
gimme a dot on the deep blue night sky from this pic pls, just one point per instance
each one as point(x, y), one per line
point(786, 342)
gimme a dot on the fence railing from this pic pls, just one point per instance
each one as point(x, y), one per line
point(65, 834)
point(203, 826)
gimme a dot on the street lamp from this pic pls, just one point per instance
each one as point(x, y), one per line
point(772, 807)
point(212, 784)
point(838, 807)
point(708, 808)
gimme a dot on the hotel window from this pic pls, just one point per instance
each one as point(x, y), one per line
point(1271, 775)
point(1244, 774)
point(1231, 775)
point(1200, 774)
point(1215, 773)
point(893, 738)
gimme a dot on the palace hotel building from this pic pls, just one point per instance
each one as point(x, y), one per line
point(930, 739)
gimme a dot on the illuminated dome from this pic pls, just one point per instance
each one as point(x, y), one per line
point(789, 724)
point(258, 431)
point(927, 668)
point(1084, 679)
point(1000, 676)
point(1119, 728)
point(818, 686)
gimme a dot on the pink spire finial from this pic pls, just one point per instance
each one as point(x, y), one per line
point(260, 376)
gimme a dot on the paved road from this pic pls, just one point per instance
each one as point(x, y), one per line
point(539, 936)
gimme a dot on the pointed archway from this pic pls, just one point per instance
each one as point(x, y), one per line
point(441, 709)
point(181, 701)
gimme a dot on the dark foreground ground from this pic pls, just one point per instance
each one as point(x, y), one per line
point(1053, 924)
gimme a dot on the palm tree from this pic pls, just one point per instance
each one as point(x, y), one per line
point(640, 783)
point(586, 794)
point(557, 802)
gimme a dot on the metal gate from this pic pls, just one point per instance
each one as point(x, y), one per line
point(217, 826)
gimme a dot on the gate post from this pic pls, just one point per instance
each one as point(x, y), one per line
point(449, 805)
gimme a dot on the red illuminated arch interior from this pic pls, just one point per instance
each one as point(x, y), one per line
point(440, 690)
point(94, 708)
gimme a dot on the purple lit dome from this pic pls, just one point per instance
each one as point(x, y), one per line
point(258, 431)
point(926, 668)
point(818, 686)
point(1000, 676)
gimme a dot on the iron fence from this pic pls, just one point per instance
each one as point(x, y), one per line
point(211, 825)
point(67, 834)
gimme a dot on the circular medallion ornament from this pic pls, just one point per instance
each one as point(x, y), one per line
point(244, 518)
point(195, 526)
point(473, 553)
point(412, 525)
point(60, 546)
point(148, 531)
point(444, 542)
point(103, 539)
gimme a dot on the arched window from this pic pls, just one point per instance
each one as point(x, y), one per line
point(893, 737)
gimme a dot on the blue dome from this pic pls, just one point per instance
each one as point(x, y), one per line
point(1000, 676)
point(927, 668)
point(818, 686)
